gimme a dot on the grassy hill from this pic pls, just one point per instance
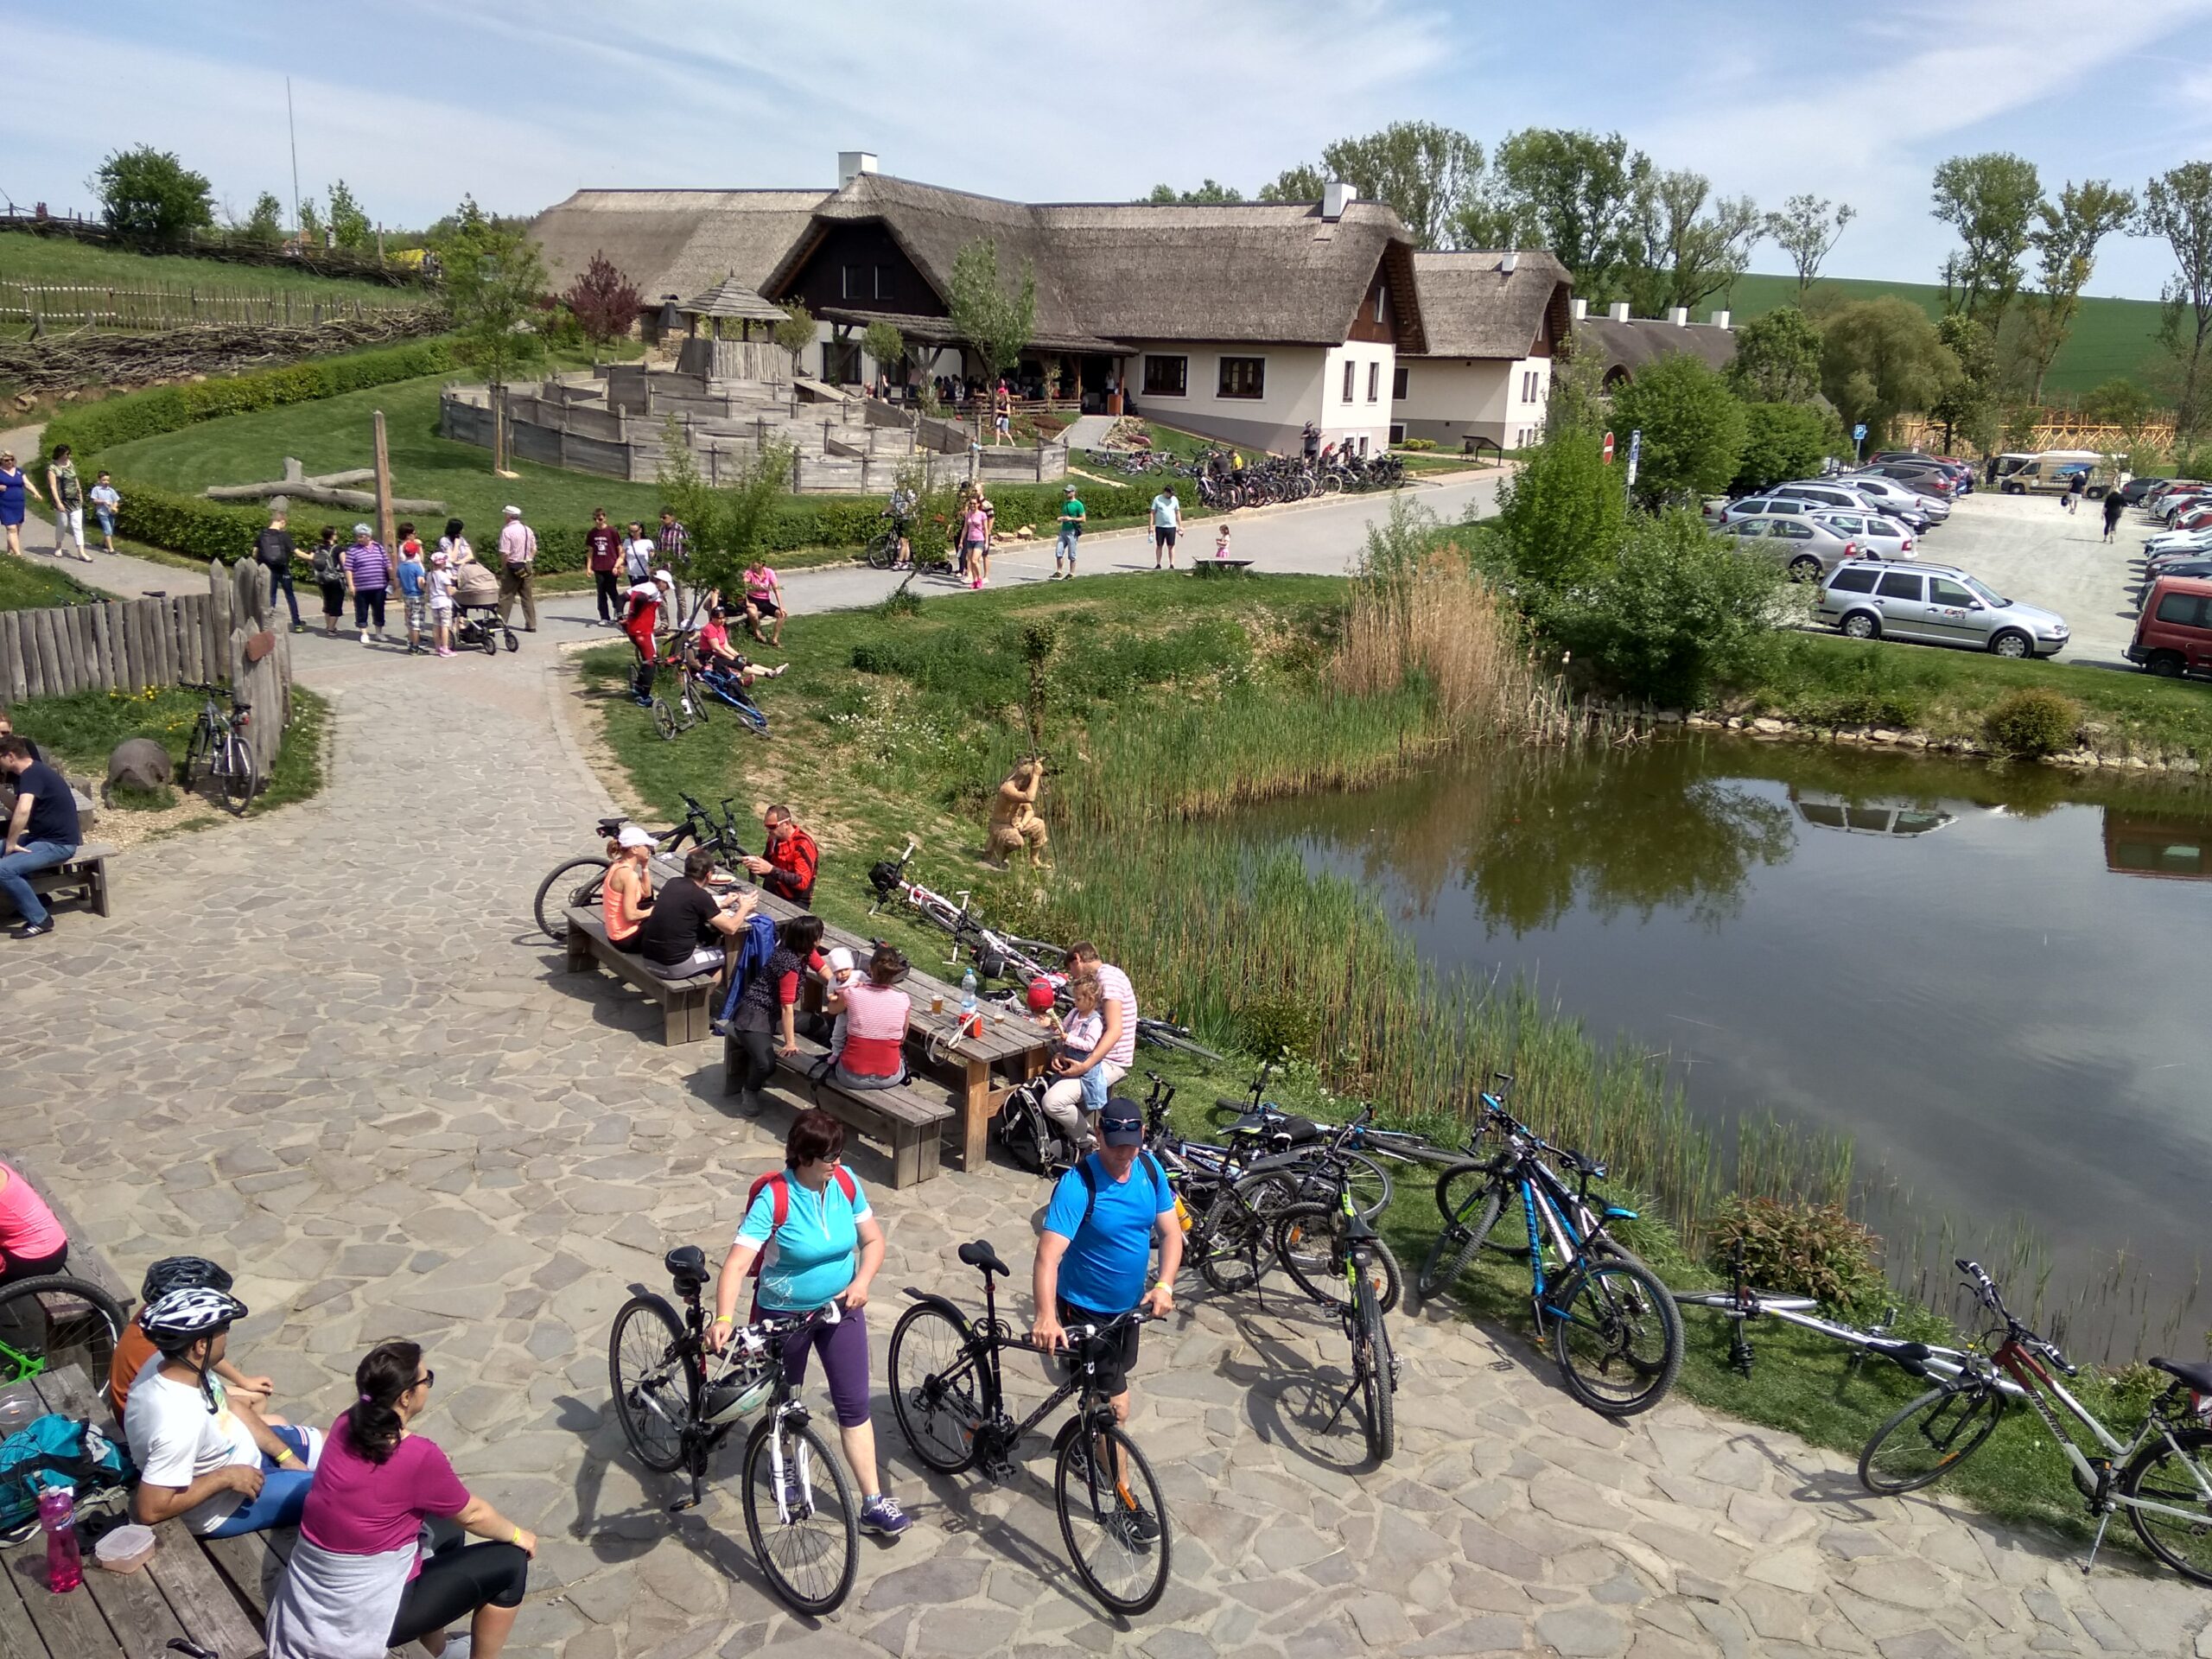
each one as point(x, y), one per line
point(2111, 337)
point(28, 258)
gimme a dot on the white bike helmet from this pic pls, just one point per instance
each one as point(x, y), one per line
point(181, 1317)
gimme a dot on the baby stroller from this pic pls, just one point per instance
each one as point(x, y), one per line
point(479, 625)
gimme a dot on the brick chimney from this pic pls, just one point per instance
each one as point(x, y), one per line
point(851, 164)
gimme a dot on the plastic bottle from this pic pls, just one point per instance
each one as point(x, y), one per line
point(65, 1564)
point(972, 1021)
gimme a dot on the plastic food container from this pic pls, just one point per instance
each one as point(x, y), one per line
point(124, 1549)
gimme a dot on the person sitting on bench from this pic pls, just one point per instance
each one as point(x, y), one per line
point(792, 861)
point(627, 894)
point(131, 1353)
point(682, 933)
point(875, 1012)
point(42, 832)
point(766, 1019)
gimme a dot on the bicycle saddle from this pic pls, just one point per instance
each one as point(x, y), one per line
point(686, 1261)
point(609, 828)
point(981, 1254)
point(2196, 1373)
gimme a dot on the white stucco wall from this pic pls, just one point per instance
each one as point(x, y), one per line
point(1360, 417)
point(1296, 388)
point(1448, 398)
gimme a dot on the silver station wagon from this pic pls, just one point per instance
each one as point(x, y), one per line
point(1936, 605)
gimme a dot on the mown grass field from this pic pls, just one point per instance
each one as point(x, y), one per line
point(28, 258)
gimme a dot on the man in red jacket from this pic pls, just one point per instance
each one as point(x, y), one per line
point(788, 869)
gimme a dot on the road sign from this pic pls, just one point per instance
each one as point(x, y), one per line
point(1635, 454)
point(1859, 433)
point(1609, 448)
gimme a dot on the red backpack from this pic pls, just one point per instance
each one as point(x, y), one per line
point(779, 1182)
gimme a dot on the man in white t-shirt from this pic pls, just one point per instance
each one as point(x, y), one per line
point(215, 1463)
point(1084, 1080)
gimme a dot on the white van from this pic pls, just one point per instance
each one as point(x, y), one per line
point(2052, 471)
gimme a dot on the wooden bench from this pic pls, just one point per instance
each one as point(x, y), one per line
point(910, 1119)
point(83, 879)
point(689, 1003)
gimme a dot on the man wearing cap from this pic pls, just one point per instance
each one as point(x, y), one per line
point(518, 565)
point(1071, 518)
point(368, 575)
point(1093, 1255)
point(641, 621)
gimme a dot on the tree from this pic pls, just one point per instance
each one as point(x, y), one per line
point(1561, 512)
point(603, 301)
point(882, 342)
point(1301, 183)
point(2118, 402)
point(2066, 248)
point(494, 281)
point(1208, 191)
point(795, 332)
point(1427, 173)
point(1574, 193)
point(148, 195)
point(1778, 359)
point(2177, 208)
point(727, 522)
point(1990, 201)
point(349, 225)
point(1808, 228)
point(1879, 356)
point(264, 226)
point(1968, 405)
point(997, 324)
point(1782, 441)
point(311, 226)
point(1685, 253)
point(1692, 427)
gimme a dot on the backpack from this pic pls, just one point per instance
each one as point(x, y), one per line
point(1090, 1186)
point(56, 1451)
point(779, 1182)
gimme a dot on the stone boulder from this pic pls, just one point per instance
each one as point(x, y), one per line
point(140, 763)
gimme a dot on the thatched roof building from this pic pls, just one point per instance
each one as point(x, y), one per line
point(1625, 346)
point(678, 242)
point(1485, 303)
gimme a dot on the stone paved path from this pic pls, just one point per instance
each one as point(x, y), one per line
point(325, 1046)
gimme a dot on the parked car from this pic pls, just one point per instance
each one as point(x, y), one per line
point(2179, 569)
point(1912, 505)
point(1806, 548)
point(1878, 535)
point(1961, 472)
point(1936, 604)
point(2135, 489)
point(1923, 476)
point(2173, 636)
point(2177, 544)
point(1825, 492)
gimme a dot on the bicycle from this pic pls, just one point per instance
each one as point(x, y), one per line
point(888, 878)
point(2162, 1478)
point(678, 1402)
point(947, 1390)
point(727, 686)
point(690, 709)
point(219, 748)
point(1356, 1258)
point(574, 883)
point(884, 548)
point(1612, 1325)
point(1257, 1118)
point(55, 1321)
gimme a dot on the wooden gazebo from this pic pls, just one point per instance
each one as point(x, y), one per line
point(716, 355)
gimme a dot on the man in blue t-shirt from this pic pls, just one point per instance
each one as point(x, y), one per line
point(1096, 1245)
point(41, 832)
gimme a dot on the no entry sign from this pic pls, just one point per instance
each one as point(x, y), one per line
point(1609, 448)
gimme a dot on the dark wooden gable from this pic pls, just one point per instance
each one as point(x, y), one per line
point(860, 267)
point(1389, 311)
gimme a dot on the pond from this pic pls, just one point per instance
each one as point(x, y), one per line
point(1993, 981)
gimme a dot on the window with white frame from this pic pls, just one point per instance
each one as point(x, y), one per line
point(1375, 383)
point(1243, 377)
point(1167, 377)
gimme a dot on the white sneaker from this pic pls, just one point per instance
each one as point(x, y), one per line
point(365, 636)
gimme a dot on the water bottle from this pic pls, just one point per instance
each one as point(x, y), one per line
point(64, 1566)
point(967, 996)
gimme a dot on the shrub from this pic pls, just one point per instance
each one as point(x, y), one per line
point(2032, 723)
point(1562, 513)
point(1800, 1250)
point(1836, 710)
point(1279, 1025)
point(1418, 443)
point(1785, 440)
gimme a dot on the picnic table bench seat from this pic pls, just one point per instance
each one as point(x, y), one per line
point(688, 1003)
point(910, 1119)
point(82, 879)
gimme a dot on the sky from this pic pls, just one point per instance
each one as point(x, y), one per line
point(413, 103)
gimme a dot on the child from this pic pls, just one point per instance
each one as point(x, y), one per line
point(105, 504)
point(440, 587)
point(329, 562)
point(1220, 542)
point(1079, 1034)
point(414, 597)
point(842, 973)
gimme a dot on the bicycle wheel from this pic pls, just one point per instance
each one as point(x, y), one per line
point(1306, 1244)
point(694, 700)
point(664, 719)
point(937, 1390)
point(808, 1544)
point(1475, 1206)
point(576, 883)
point(197, 753)
point(651, 1377)
point(882, 552)
point(1236, 1243)
point(1927, 1439)
point(1371, 1184)
point(1617, 1336)
point(1377, 1383)
point(1174, 1040)
point(1112, 1519)
point(2164, 1474)
point(240, 777)
point(56, 1321)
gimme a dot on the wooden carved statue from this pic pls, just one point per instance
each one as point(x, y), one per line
point(1015, 826)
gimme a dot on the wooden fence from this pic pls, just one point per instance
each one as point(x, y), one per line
point(135, 645)
point(146, 307)
point(367, 264)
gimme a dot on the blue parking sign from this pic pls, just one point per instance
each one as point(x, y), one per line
point(1859, 433)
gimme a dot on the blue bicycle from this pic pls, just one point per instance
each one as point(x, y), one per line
point(727, 686)
point(1611, 1324)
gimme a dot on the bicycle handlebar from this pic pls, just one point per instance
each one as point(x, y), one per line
point(1985, 1290)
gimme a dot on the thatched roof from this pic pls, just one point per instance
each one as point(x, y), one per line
point(1469, 309)
point(1260, 272)
point(732, 298)
point(1622, 348)
point(674, 241)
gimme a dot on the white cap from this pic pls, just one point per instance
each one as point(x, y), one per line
point(662, 576)
point(363, 529)
point(511, 512)
point(440, 557)
point(644, 587)
point(839, 960)
point(633, 836)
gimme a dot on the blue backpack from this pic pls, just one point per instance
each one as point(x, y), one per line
point(56, 1451)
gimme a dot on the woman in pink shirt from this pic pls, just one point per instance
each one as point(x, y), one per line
point(358, 1583)
point(31, 1240)
point(764, 602)
point(875, 1012)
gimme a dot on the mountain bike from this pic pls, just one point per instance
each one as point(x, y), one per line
point(727, 686)
point(1227, 1204)
point(947, 1390)
point(678, 1402)
point(2162, 1478)
point(1165, 1034)
point(689, 709)
point(883, 549)
point(1337, 1236)
point(1612, 1325)
point(54, 1321)
point(888, 879)
point(219, 748)
point(1259, 1120)
point(576, 883)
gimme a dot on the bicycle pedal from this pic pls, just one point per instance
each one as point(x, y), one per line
point(681, 1504)
point(996, 1470)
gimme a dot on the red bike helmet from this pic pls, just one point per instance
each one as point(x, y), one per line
point(1041, 997)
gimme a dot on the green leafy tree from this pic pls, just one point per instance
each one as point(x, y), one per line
point(1427, 173)
point(1969, 404)
point(1574, 193)
point(1692, 427)
point(729, 521)
point(349, 223)
point(1301, 183)
point(795, 332)
point(1991, 200)
point(148, 195)
point(1209, 192)
point(2065, 242)
point(2177, 209)
point(2118, 402)
point(1807, 229)
point(997, 324)
point(1562, 512)
point(883, 342)
point(264, 226)
point(1778, 359)
point(1689, 245)
point(494, 281)
point(1880, 358)
point(1782, 441)
point(311, 225)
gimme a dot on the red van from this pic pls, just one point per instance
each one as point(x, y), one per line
point(2173, 636)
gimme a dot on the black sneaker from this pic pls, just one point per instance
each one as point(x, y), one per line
point(35, 929)
point(1136, 1526)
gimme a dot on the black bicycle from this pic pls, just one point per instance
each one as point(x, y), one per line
point(576, 882)
point(219, 748)
point(678, 1402)
point(947, 1390)
point(1338, 1237)
point(54, 1321)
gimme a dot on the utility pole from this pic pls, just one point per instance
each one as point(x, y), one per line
point(293, 133)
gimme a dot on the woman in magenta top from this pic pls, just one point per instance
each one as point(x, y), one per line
point(764, 602)
point(876, 1013)
point(358, 1583)
point(31, 1240)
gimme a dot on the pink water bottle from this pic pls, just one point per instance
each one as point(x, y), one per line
point(64, 1566)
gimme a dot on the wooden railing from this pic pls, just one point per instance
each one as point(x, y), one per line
point(147, 307)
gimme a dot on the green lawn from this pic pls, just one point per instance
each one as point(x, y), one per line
point(27, 258)
point(34, 582)
point(79, 732)
point(2111, 338)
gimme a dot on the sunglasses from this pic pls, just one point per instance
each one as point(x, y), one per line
point(425, 1379)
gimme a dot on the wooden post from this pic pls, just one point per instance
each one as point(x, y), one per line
point(385, 532)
